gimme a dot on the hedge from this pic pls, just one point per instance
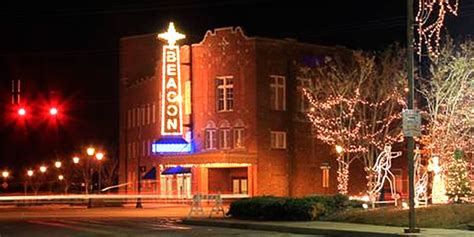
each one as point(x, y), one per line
point(291, 209)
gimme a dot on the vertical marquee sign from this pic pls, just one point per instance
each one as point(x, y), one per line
point(171, 107)
point(171, 140)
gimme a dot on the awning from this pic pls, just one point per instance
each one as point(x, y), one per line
point(151, 174)
point(176, 170)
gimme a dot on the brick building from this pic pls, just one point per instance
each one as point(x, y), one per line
point(243, 114)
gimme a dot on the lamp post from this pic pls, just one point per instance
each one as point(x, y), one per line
point(410, 143)
point(5, 175)
point(29, 173)
point(99, 156)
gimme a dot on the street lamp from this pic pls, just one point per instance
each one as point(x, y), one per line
point(29, 173)
point(43, 169)
point(99, 156)
point(57, 164)
point(75, 159)
point(90, 151)
point(5, 174)
point(339, 149)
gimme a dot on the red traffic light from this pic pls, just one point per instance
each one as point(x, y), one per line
point(22, 111)
point(53, 111)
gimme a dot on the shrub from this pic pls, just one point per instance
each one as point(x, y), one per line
point(275, 208)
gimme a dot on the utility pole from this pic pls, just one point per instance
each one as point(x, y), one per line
point(139, 184)
point(410, 142)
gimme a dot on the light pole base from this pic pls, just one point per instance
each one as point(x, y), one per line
point(139, 203)
point(411, 231)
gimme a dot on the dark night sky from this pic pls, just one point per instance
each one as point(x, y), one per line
point(73, 50)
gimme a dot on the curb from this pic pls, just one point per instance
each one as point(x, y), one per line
point(290, 229)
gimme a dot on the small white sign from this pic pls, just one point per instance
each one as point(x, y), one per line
point(411, 123)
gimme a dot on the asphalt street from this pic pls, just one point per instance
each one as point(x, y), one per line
point(85, 227)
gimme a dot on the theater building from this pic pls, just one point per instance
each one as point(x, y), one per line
point(224, 115)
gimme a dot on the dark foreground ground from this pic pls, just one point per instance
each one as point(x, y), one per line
point(159, 221)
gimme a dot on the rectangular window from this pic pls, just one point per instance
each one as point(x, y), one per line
point(129, 118)
point(225, 93)
point(138, 117)
point(302, 101)
point(238, 138)
point(133, 117)
point(133, 150)
point(211, 139)
point(277, 93)
point(239, 186)
point(325, 178)
point(148, 114)
point(143, 116)
point(224, 138)
point(153, 113)
point(278, 140)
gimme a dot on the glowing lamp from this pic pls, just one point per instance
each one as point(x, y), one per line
point(99, 156)
point(75, 160)
point(339, 149)
point(90, 151)
point(57, 164)
point(22, 112)
point(53, 111)
point(60, 177)
point(29, 173)
point(43, 169)
point(5, 174)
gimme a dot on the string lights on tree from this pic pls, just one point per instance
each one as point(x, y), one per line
point(430, 20)
point(458, 183)
point(357, 106)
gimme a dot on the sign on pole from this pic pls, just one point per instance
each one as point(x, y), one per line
point(411, 123)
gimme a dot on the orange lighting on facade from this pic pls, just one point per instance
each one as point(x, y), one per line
point(171, 111)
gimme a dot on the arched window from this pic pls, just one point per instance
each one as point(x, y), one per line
point(238, 134)
point(224, 135)
point(210, 137)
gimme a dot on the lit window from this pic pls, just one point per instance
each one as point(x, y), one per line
point(143, 115)
point(277, 93)
point(129, 118)
point(225, 93)
point(224, 138)
point(147, 114)
point(325, 178)
point(133, 117)
point(239, 138)
point(278, 140)
point(302, 101)
point(153, 117)
point(211, 139)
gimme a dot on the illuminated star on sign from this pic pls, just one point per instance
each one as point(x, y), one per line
point(171, 35)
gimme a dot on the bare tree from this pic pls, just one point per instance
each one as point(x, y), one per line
point(357, 105)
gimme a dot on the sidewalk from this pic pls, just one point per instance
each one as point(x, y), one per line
point(324, 228)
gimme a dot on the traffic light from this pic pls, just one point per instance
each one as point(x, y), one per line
point(53, 111)
point(22, 111)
